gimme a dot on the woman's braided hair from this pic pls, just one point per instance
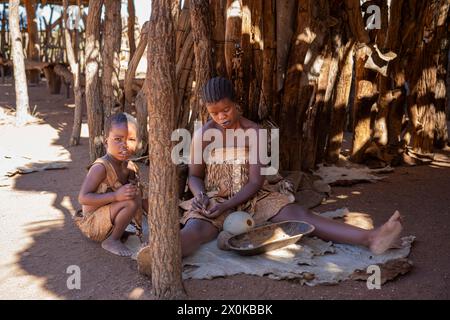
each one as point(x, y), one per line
point(216, 89)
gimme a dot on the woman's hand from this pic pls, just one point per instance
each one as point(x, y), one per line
point(200, 202)
point(126, 192)
point(216, 210)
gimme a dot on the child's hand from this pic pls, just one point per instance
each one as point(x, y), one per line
point(126, 192)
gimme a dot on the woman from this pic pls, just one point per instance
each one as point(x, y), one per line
point(235, 184)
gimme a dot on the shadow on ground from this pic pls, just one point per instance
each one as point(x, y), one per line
point(420, 193)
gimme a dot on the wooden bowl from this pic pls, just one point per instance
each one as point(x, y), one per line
point(269, 237)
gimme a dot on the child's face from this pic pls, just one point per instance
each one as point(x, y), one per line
point(121, 141)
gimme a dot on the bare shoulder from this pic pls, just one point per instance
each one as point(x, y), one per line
point(97, 171)
point(95, 176)
point(198, 136)
point(208, 125)
point(248, 124)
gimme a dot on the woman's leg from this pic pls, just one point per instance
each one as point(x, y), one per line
point(121, 215)
point(195, 233)
point(378, 240)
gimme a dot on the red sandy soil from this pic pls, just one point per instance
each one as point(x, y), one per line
point(39, 241)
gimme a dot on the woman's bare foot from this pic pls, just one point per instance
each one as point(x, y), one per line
point(386, 236)
point(116, 247)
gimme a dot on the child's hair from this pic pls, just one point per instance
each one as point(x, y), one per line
point(218, 88)
point(119, 118)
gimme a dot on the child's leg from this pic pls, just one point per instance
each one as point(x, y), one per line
point(194, 233)
point(378, 240)
point(121, 215)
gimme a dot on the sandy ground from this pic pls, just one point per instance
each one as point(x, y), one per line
point(39, 242)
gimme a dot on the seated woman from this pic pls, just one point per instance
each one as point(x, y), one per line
point(229, 182)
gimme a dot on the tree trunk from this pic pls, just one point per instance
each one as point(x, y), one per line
point(290, 133)
point(48, 36)
point(110, 58)
point(301, 79)
point(218, 29)
point(3, 33)
point(204, 65)
point(183, 30)
point(365, 96)
point(61, 43)
point(163, 209)
point(255, 68)
point(448, 86)
point(32, 29)
point(142, 121)
point(324, 114)
point(269, 55)
point(20, 80)
point(185, 78)
point(244, 74)
point(93, 102)
point(440, 90)
point(75, 68)
point(130, 28)
point(33, 38)
point(355, 20)
point(423, 108)
point(285, 19)
point(314, 82)
point(341, 100)
point(233, 27)
point(396, 110)
point(316, 111)
point(387, 39)
point(397, 74)
point(132, 66)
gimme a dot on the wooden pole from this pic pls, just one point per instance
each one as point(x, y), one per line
point(340, 103)
point(132, 66)
point(290, 133)
point(33, 38)
point(130, 28)
point(110, 58)
point(269, 55)
point(75, 68)
point(204, 65)
point(3, 33)
point(93, 102)
point(218, 30)
point(20, 80)
point(285, 19)
point(232, 34)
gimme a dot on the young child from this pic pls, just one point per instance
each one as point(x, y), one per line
point(110, 194)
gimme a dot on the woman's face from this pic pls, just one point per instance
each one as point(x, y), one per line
point(224, 113)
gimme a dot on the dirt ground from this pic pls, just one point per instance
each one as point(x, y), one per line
point(38, 240)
